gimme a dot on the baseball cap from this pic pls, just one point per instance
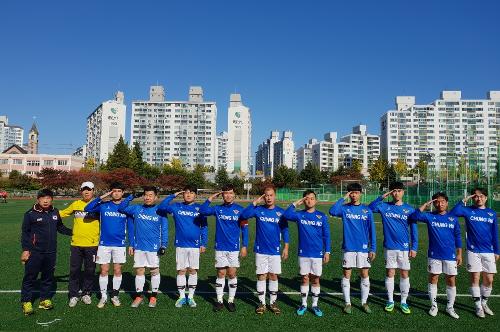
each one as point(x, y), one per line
point(87, 184)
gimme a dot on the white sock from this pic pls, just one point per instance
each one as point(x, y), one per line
point(117, 282)
point(261, 290)
point(220, 283)
point(485, 293)
point(304, 289)
point(103, 285)
point(181, 286)
point(155, 283)
point(451, 293)
point(432, 289)
point(139, 283)
point(389, 285)
point(404, 288)
point(315, 295)
point(365, 289)
point(192, 282)
point(475, 291)
point(346, 290)
point(273, 291)
point(232, 284)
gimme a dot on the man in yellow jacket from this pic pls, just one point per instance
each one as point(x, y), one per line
point(84, 244)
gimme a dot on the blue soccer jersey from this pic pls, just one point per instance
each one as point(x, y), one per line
point(113, 223)
point(481, 227)
point(444, 234)
point(358, 227)
point(399, 232)
point(148, 230)
point(190, 226)
point(228, 225)
point(314, 231)
point(271, 227)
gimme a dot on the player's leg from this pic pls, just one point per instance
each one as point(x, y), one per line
point(475, 291)
point(194, 265)
point(451, 294)
point(346, 288)
point(315, 291)
point(486, 289)
point(435, 268)
point(140, 280)
point(220, 283)
point(181, 266)
point(390, 266)
point(261, 292)
point(274, 272)
point(31, 269)
point(103, 284)
point(117, 282)
point(365, 289)
point(404, 288)
point(155, 285)
point(75, 266)
point(89, 266)
point(232, 286)
point(304, 289)
point(47, 280)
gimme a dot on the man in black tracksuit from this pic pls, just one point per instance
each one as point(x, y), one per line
point(39, 242)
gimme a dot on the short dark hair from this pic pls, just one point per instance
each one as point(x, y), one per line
point(227, 187)
point(481, 190)
point(269, 187)
point(397, 185)
point(150, 188)
point(307, 192)
point(44, 193)
point(440, 194)
point(190, 188)
point(116, 185)
point(354, 187)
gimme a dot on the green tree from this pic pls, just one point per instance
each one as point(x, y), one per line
point(136, 162)
point(311, 174)
point(285, 177)
point(120, 157)
point(174, 168)
point(221, 178)
point(356, 166)
point(196, 178)
point(378, 170)
point(421, 169)
point(401, 168)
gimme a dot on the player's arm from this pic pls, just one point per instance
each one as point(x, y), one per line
point(372, 236)
point(426, 205)
point(125, 208)
point(285, 235)
point(166, 205)
point(206, 209)
point(95, 205)
point(413, 239)
point(249, 212)
point(496, 249)
point(337, 208)
point(164, 231)
point(419, 214)
point(460, 210)
point(326, 241)
point(67, 211)
point(375, 205)
point(26, 243)
point(203, 234)
point(290, 213)
point(131, 235)
point(458, 242)
point(63, 229)
point(244, 237)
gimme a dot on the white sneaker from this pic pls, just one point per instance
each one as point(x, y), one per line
point(480, 312)
point(452, 313)
point(433, 311)
point(116, 301)
point(72, 302)
point(86, 299)
point(487, 309)
point(102, 302)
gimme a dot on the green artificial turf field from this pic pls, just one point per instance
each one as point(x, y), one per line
point(166, 316)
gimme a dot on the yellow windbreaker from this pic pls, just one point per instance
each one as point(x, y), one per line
point(85, 225)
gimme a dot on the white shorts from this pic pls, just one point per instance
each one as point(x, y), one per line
point(105, 254)
point(187, 257)
point(267, 264)
point(438, 266)
point(397, 259)
point(310, 265)
point(356, 259)
point(146, 259)
point(227, 259)
point(481, 262)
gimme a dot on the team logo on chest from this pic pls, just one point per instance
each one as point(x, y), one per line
point(54, 217)
point(406, 211)
point(364, 211)
point(319, 216)
point(236, 211)
point(451, 219)
point(278, 214)
point(490, 214)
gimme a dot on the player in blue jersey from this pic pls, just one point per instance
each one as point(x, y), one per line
point(481, 225)
point(358, 245)
point(148, 239)
point(111, 240)
point(445, 249)
point(400, 242)
point(271, 227)
point(191, 235)
point(228, 226)
point(314, 247)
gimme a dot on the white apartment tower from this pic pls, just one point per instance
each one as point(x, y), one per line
point(185, 130)
point(444, 131)
point(239, 145)
point(105, 125)
point(9, 135)
point(284, 151)
point(222, 144)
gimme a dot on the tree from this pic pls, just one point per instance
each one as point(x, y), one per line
point(378, 170)
point(90, 164)
point(151, 172)
point(285, 177)
point(136, 161)
point(401, 168)
point(120, 157)
point(421, 169)
point(128, 177)
point(22, 181)
point(311, 174)
point(356, 166)
point(174, 168)
point(171, 183)
point(221, 178)
point(196, 178)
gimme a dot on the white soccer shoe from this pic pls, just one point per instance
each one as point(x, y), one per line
point(116, 301)
point(433, 311)
point(480, 312)
point(487, 309)
point(102, 302)
point(72, 302)
point(86, 299)
point(452, 313)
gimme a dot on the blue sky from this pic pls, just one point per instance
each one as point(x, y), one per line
point(306, 66)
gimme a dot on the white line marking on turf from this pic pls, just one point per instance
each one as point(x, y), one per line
point(46, 324)
point(14, 291)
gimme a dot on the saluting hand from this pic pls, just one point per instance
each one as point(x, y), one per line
point(347, 195)
point(179, 193)
point(106, 195)
point(259, 200)
point(299, 202)
point(212, 197)
point(387, 194)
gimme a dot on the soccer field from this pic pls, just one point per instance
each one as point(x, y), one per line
point(166, 316)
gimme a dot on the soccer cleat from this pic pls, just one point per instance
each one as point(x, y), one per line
point(27, 308)
point(137, 302)
point(452, 312)
point(301, 310)
point(116, 301)
point(366, 308)
point(46, 305)
point(102, 302)
point(273, 307)
point(73, 301)
point(389, 306)
point(152, 302)
point(347, 309)
point(487, 309)
point(317, 311)
point(433, 311)
point(191, 303)
point(231, 307)
point(405, 308)
point(86, 299)
point(218, 306)
point(261, 309)
point(180, 302)
point(480, 312)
